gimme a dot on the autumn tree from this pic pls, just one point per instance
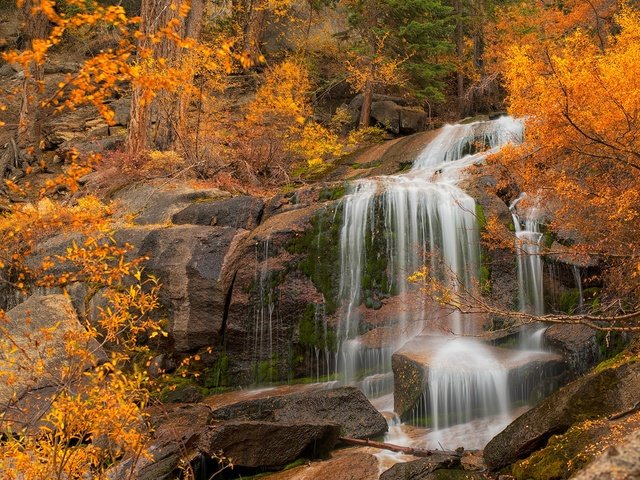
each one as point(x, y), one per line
point(394, 38)
point(573, 80)
point(34, 32)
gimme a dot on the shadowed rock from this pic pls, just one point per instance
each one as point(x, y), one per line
point(237, 212)
point(346, 406)
point(595, 395)
point(259, 444)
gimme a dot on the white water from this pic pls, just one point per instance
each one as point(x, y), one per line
point(426, 220)
point(465, 382)
point(528, 252)
point(422, 218)
point(526, 222)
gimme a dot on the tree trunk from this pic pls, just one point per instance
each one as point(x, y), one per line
point(35, 27)
point(367, 100)
point(193, 30)
point(167, 109)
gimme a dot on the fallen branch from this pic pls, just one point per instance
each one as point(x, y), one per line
point(416, 452)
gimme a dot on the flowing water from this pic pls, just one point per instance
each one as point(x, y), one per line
point(421, 220)
point(402, 223)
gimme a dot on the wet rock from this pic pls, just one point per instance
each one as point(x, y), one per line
point(33, 343)
point(593, 396)
point(176, 433)
point(238, 212)
point(420, 469)
point(268, 285)
point(347, 407)
point(261, 444)
point(344, 465)
point(577, 344)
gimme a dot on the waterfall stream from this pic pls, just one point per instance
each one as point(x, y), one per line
point(395, 225)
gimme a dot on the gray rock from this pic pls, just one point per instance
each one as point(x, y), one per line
point(593, 396)
point(577, 343)
point(155, 204)
point(412, 120)
point(619, 462)
point(39, 328)
point(189, 262)
point(260, 444)
point(387, 113)
point(238, 212)
point(420, 469)
point(346, 406)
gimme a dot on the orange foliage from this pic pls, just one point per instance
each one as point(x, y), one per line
point(577, 89)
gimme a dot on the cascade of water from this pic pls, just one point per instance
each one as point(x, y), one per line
point(420, 218)
point(465, 381)
point(265, 320)
point(528, 252)
point(578, 281)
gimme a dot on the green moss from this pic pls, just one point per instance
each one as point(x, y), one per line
point(611, 344)
point(364, 166)
point(299, 462)
point(569, 301)
point(564, 454)
point(334, 193)
point(480, 217)
point(217, 375)
point(266, 371)
point(318, 254)
point(616, 361)
point(313, 334)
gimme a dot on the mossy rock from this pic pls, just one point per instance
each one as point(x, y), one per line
point(564, 454)
point(594, 396)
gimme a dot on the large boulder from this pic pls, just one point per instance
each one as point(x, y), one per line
point(260, 444)
point(598, 394)
point(157, 203)
point(421, 468)
point(238, 212)
point(577, 343)
point(398, 119)
point(347, 407)
point(191, 263)
point(34, 341)
point(272, 295)
point(620, 462)
point(176, 433)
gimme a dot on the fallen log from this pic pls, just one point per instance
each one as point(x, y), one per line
point(416, 452)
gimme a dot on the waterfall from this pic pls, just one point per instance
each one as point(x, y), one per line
point(419, 218)
point(530, 270)
point(578, 280)
point(465, 381)
point(265, 318)
point(528, 253)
